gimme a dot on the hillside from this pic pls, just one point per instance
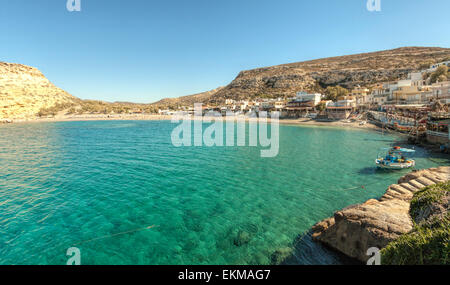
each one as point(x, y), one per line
point(187, 100)
point(315, 75)
point(24, 91)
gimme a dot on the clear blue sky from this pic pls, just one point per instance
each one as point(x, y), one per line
point(144, 50)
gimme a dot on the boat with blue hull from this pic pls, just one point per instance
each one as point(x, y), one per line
point(396, 158)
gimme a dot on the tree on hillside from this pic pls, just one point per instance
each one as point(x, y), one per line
point(334, 92)
point(426, 64)
point(441, 74)
point(321, 107)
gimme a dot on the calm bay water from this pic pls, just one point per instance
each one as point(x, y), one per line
point(96, 185)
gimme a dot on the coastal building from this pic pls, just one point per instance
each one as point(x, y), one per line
point(411, 95)
point(166, 112)
point(266, 105)
point(378, 96)
point(303, 104)
point(346, 101)
point(438, 128)
point(359, 91)
point(243, 106)
point(229, 102)
point(303, 97)
point(338, 113)
point(441, 92)
point(390, 87)
point(341, 109)
point(434, 67)
point(364, 100)
point(416, 79)
point(279, 105)
point(362, 96)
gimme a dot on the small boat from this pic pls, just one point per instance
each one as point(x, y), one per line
point(396, 158)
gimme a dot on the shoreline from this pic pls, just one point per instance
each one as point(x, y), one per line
point(293, 122)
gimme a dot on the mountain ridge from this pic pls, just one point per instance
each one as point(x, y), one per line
point(315, 75)
point(25, 91)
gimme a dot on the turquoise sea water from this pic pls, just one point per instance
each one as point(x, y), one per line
point(96, 185)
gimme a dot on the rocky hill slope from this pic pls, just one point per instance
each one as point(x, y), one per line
point(24, 91)
point(315, 75)
point(189, 100)
point(347, 71)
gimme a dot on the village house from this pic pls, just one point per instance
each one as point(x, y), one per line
point(411, 95)
point(362, 96)
point(166, 112)
point(438, 127)
point(302, 105)
point(378, 96)
point(341, 109)
point(229, 102)
point(359, 91)
point(416, 79)
point(434, 67)
point(279, 105)
point(441, 91)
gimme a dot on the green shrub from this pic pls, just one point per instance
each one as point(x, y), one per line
point(427, 196)
point(429, 241)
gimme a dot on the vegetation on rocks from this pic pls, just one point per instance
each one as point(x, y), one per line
point(334, 92)
point(97, 107)
point(441, 74)
point(429, 241)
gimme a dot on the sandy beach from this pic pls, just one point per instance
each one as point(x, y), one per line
point(149, 117)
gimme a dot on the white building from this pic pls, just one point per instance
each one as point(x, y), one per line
point(303, 97)
point(441, 91)
point(378, 96)
point(435, 66)
point(229, 101)
point(346, 101)
point(416, 79)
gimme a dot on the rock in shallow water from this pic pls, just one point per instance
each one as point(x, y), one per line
point(280, 255)
point(242, 238)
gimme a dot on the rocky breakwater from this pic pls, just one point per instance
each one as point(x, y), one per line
point(376, 223)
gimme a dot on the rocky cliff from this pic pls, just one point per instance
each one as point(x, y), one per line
point(24, 90)
point(315, 75)
point(347, 71)
point(376, 223)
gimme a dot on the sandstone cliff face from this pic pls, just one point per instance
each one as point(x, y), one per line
point(375, 223)
point(347, 71)
point(24, 90)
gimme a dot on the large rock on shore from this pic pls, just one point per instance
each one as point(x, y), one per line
point(375, 223)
